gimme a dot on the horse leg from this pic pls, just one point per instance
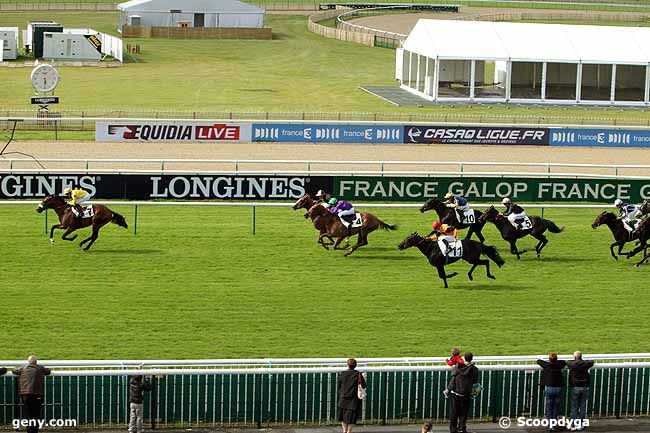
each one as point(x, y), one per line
point(643, 260)
point(611, 249)
point(338, 243)
point(469, 274)
point(93, 237)
point(541, 244)
point(361, 241)
point(479, 234)
point(487, 268)
point(56, 226)
point(442, 275)
point(65, 237)
point(513, 249)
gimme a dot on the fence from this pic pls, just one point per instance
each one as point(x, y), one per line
point(280, 396)
point(334, 33)
point(197, 32)
point(84, 119)
point(308, 167)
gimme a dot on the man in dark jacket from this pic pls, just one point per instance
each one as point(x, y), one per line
point(137, 387)
point(463, 378)
point(31, 387)
point(579, 379)
point(553, 380)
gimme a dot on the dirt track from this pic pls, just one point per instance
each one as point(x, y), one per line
point(338, 152)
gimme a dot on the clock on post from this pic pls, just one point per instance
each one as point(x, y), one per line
point(44, 79)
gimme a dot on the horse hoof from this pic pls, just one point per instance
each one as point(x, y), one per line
point(470, 277)
point(492, 277)
point(51, 241)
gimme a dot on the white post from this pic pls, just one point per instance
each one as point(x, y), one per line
point(436, 76)
point(426, 76)
point(612, 94)
point(646, 97)
point(410, 63)
point(472, 73)
point(508, 80)
point(417, 80)
point(579, 82)
point(543, 92)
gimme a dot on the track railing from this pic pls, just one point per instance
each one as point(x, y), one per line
point(264, 396)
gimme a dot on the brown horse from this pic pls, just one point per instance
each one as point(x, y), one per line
point(69, 221)
point(335, 227)
point(620, 233)
point(306, 202)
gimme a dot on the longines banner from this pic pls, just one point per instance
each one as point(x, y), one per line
point(164, 130)
point(151, 187)
point(289, 188)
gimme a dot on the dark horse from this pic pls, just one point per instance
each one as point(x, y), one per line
point(615, 225)
point(472, 251)
point(643, 229)
point(335, 227)
point(510, 234)
point(306, 202)
point(448, 216)
point(69, 221)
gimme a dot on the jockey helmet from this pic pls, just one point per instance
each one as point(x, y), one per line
point(436, 225)
point(67, 191)
point(332, 201)
point(505, 201)
point(618, 202)
point(448, 196)
point(320, 193)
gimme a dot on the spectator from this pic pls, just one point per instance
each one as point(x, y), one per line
point(463, 378)
point(579, 379)
point(349, 402)
point(137, 386)
point(426, 427)
point(454, 359)
point(31, 387)
point(553, 380)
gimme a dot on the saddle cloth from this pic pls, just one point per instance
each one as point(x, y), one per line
point(87, 213)
point(466, 216)
point(352, 223)
point(629, 226)
point(455, 248)
point(524, 223)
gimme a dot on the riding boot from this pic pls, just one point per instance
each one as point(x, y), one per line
point(80, 213)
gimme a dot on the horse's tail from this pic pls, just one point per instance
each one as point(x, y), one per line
point(553, 228)
point(493, 254)
point(385, 226)
point(119, 220)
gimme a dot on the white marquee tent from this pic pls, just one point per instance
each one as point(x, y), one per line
point(190, 13)
point(445, 60)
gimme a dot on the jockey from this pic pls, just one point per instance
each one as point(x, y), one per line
point(323, 198)
point(341, 208)
point(513, 212)
point(75, 197)
point(627, 212)
point(441, 231)
point(457, 202)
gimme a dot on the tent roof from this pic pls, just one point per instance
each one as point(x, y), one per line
point(189, 6)
point(482, 40)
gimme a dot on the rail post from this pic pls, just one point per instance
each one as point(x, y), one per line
point(135, 221)
point(253, 220)
point(45, 228)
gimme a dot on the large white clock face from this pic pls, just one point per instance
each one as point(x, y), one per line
point(45, 78)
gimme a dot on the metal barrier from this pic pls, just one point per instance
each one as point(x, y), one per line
point(280, 396)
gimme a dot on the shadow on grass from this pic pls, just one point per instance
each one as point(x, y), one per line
point(126, 252)
point(485, 285)
point(279, 36)
point(386, 257)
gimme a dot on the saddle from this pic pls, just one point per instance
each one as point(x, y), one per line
point(466, 216)
point(452, 249)
point(524, 223)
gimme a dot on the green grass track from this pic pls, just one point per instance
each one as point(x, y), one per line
point(195, 283)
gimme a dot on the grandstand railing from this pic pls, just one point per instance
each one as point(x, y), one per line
point(290, 395)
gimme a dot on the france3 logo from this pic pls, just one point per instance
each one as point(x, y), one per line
point(593, 137)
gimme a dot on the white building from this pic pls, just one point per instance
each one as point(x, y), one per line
point(190, 13)
point(478, 61)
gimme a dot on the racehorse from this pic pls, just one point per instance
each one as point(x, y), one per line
point(615, 225)
point(335, 227)
point(510, 233)
point(69, 221)
point(306, 202)
point(472, 251)
point(448, 216)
